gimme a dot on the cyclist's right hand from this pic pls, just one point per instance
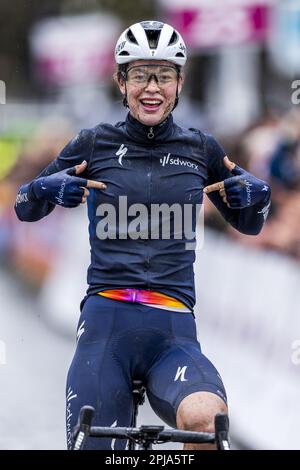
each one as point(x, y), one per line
point(65, 188)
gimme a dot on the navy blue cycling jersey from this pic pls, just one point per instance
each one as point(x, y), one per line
point(163, 164)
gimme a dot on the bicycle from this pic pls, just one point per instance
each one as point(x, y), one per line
point(145, 436)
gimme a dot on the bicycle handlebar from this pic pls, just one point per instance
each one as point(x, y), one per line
point(150, 432)
point(83, 427)
point(222, 430)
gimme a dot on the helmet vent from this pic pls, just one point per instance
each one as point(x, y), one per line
point(131, 37)
point(124, 53)
point(179, 54)
point(153, 37)
point(174, 38)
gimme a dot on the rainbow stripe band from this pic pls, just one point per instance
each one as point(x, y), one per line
point(153, 298)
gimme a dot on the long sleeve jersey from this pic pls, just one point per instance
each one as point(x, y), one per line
point(164, 166)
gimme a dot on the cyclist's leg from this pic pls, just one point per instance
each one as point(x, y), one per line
point(95, 378)
point(196, 412)
point(183, 386)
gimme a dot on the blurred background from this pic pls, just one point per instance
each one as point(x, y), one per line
point(243, 86)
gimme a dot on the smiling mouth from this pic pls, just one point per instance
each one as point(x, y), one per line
point(151, 105)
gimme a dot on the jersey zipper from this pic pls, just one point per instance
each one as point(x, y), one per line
point(147, 260)
point(150, 134)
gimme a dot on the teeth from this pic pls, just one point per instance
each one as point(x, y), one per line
point(150, 102)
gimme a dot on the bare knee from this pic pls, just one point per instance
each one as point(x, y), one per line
point(197, 411)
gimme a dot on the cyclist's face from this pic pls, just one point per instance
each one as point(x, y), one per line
point(151, 90)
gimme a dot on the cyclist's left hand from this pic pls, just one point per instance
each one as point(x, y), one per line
point(242, 190)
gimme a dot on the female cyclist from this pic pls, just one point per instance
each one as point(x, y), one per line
point(142, 180)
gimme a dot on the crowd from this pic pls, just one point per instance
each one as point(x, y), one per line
point(30, 250)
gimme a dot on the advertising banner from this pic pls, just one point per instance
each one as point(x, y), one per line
point(213, 23)
point(74, 50)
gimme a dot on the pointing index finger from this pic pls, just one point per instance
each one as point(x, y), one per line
point(214, 187)
point(95, 184)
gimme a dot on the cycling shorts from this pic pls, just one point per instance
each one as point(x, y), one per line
point(118, 342)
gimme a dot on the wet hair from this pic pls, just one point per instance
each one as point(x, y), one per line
point(120, 72)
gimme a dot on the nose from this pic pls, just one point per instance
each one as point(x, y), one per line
point(152, 84)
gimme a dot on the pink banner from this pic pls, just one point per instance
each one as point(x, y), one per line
point(63, 70)
point(208, 26)
point(74, 50)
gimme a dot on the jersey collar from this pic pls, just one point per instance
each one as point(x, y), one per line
point(146, 134)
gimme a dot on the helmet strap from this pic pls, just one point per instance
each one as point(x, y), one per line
point(125, 102)
point(176, 99)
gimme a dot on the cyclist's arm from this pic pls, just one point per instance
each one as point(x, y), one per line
point(248, 220)
point(28, 207)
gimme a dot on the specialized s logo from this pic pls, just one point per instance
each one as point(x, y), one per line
point(166, 160)
point(265, 211)
point(180, 374)
point(80, 330)
point(121, 153)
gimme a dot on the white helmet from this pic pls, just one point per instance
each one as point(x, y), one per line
point(150, 40)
